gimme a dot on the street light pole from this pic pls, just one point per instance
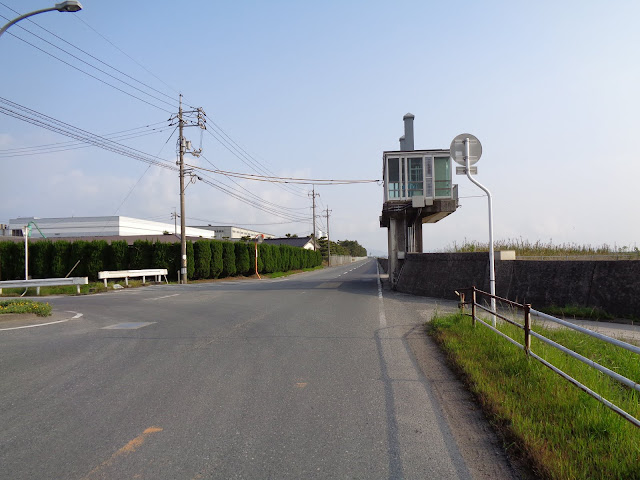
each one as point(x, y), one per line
point(492, 270)
point(66, 6)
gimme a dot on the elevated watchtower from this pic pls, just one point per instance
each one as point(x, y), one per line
point(417, 189)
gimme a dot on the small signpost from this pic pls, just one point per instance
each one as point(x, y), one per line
point(466, 150)
point(258, 239)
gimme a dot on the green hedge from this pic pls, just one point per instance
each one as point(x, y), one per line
point(228, 259)
point(60, 256)
point(205, 258)
point(216, 258)
point(202, 251)
point(243, 264)
point(119, 258)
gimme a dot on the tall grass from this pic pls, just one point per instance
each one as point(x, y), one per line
point(539, 248)
point(561, 431)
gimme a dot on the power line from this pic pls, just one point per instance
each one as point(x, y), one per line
point(299, 181)
point(220, 222)
point(93, 76)
point(253, 194)
point(227, 142)
point(34, 117)
point(127, 55)
point(85, 52)
point(40, 150)
point(272, 211)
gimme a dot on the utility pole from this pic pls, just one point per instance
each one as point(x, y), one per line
point(183, 237)
point(184, 146)
point(313, 196)
point(328, 238)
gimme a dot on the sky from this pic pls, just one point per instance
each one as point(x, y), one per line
point(318, 90)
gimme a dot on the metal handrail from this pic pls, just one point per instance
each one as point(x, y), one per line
point(528, 333)
point(600, 336)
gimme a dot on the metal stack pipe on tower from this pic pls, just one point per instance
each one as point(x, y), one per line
point(408, 132)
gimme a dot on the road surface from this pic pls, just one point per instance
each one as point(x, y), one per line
point(317, 375)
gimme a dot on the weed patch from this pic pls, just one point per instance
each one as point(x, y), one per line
point(562, 432)
point(25, 306)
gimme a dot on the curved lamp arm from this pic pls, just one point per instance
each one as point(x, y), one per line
point(66, 6)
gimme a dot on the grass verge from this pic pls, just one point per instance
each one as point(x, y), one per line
point(94, 287)
point(291, 272)
point(25, 306)
point(560, 431)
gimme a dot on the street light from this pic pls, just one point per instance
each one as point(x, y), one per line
point(66, 6)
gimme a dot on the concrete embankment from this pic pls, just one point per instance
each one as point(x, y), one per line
point(613, 286)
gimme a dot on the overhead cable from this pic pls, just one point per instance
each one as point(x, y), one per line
point(300, 181)
point(34, 117)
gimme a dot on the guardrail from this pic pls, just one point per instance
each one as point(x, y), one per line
point(127, 274)
point(44, 282)
point(526, 345)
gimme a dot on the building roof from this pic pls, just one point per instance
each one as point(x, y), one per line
point(108, 238)
point(291, 241)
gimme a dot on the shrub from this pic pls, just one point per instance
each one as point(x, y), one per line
point(40, 259)
point(228, 259)
point(11, 261)
point(141, 255)
point(191, 263)
point(202, 251)
point(216, 258)
point(162, 256)
point(119, 255)
point(97, 257)
point(265, 253)
point(60, 254)
point(77, 254)
point(242, 258)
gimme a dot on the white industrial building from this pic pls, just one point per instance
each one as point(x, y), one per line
point(109, 226)
point(233, 233)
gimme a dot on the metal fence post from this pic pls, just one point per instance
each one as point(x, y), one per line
point(473, 306)
point(527, 328)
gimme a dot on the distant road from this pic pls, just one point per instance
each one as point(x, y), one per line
point(317, 375)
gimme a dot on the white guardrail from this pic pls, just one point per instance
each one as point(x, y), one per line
point(44, 282)
point(127, 274)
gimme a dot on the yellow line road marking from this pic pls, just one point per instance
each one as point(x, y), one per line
point(129, 448)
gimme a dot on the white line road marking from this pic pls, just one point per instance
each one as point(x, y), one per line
point(166, 296)
point(77, 315)
point(383, 318)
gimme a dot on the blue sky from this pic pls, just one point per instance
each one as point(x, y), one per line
point(318, 89)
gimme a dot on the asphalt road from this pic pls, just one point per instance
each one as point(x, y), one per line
point(317, 375)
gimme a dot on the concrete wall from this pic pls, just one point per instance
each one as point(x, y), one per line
point(613, 286)
point(344, 260)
